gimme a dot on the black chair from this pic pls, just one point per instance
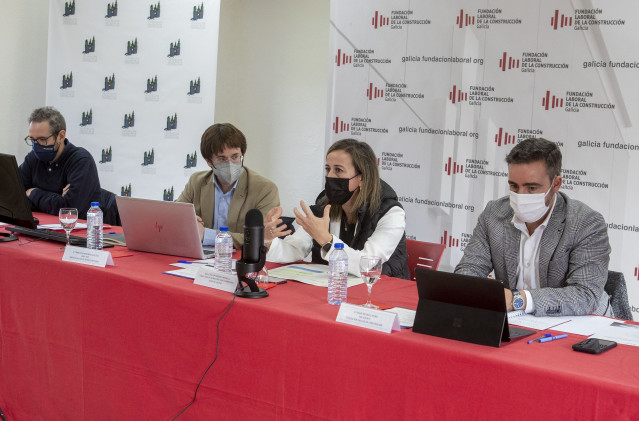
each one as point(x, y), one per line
point(109, 208)
point(616, 288)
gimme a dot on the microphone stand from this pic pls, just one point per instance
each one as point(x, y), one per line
point(251, 290)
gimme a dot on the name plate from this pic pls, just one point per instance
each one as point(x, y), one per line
point(212, 278)
point(86, 256)
point(368, 318)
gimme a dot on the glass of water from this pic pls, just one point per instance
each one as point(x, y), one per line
point(370, 268)
point(68, 217)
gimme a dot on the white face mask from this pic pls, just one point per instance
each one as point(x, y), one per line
point(529, 207)
point(228, 172)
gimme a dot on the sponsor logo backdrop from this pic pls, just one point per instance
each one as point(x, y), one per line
point(443, 90)
point(136, 84)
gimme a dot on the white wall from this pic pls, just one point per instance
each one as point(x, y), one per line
point(272, 84)
point(23, 27)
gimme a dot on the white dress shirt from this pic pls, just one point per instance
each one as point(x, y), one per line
point(528, 267)
point(382, 242)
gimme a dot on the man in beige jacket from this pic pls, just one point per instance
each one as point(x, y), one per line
point(223, 195)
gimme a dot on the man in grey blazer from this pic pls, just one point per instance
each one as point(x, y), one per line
point(223, 195)
point(552, 252)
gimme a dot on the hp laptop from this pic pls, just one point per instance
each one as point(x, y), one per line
point(466, 308)
point(15, 208)
point(158, 226)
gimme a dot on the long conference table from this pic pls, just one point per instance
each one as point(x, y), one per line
point(129, 342)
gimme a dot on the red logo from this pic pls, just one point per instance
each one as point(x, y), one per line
point(554, 102)
point(374, 92)
point(464, 20)
point(340, 126)
point(511, 63)
point(457, 95)
point(342, 58)
point(453, 167)
point(158, 227)
point(560, 21)
point(503, 138)
point(379, 20)
point(449, 241)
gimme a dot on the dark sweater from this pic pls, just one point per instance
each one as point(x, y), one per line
point(76, 167)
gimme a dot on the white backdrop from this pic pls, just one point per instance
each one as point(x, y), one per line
point(442, 90)
point(161, 58)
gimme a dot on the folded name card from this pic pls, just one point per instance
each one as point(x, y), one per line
point(369, 318)
point(86, 256)
point(212, 278)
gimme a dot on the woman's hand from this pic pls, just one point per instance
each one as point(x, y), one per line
point(314, 226)
point(271, 229)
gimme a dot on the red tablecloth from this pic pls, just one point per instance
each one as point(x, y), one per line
point(130, 343)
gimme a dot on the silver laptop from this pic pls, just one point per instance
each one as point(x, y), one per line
point(157, 226)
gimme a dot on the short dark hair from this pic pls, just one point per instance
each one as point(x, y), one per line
point(220, 136)
point(537, 149)
point(52, 116)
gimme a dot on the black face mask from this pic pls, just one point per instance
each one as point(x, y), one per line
point(336, 190)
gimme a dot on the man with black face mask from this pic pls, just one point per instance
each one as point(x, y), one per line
point(223, 195)
point(56, 173)
point(552, 252)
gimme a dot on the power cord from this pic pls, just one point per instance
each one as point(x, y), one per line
point(217, 346)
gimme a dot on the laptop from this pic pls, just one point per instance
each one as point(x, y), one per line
point(15, 208)
point(158, 226)
point(462, 307)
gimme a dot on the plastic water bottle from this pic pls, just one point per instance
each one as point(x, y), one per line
point(337, 274)
point(94, 227)
point(223, 250)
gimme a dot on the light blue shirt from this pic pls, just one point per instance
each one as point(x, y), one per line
point(220, 213)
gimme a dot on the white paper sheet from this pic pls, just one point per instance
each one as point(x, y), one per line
point(621, 333)
point(312, 274)
point(406, 316)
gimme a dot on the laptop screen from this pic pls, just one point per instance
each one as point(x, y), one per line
point(158, 226)
point(15, 208)
point(462, 307)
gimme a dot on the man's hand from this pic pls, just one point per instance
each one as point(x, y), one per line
point(65, 190)
point(28, 192)
point(271, 229)
point(508, 295)
point(200, 227)
point(314, 226)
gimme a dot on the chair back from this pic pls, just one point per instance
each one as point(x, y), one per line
point(110, 214)
point(423, 254)
point(616, 288)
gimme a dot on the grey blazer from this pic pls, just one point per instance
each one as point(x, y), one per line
point(573, 258)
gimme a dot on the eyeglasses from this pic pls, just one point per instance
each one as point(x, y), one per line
point(42, 141)
point(237, 158)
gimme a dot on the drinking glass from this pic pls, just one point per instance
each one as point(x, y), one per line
point(371, 269)
point(68, 217)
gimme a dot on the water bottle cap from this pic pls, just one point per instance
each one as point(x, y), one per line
point(338, 246)
point(224, 228)
point(95, 203)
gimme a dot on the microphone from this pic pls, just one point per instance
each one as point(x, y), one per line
point(253, 256)
point(253, 236)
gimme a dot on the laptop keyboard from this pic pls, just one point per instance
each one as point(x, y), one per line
point(60, 237)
